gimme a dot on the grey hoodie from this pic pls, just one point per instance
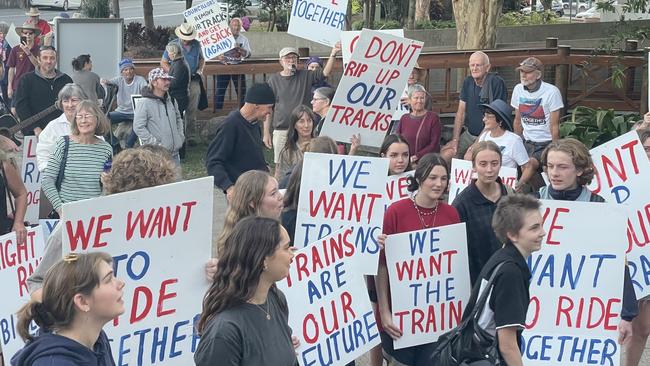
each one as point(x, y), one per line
point(157, 121)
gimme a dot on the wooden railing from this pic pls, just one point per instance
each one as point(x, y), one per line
point(583, 78)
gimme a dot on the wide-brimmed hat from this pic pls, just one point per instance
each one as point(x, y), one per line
point(185, 32)
point(33, 12)
point(28, 26)
point(502, 110)
point(531, 64)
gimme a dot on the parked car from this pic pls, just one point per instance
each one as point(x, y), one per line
point(575, 5)
point(556, 8)
point(590, 15)
point(62, 4)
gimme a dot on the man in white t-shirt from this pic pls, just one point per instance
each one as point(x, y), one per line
point(537, 107)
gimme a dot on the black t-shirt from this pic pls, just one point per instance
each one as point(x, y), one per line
point(243, 336)
point(471, 95)
point(508, 301)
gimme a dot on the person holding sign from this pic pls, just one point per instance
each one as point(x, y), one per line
point(80, 295)
point(497, 117)
point(518, 223)
point(570, 169)
point(424, 210)
point(292, 87)
point(476, 205)
point(245, 317)
point(255, 194)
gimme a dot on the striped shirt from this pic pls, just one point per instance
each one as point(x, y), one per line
point(81, 173)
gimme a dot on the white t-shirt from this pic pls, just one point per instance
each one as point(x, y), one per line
point(513, 152)
point(535, 110)
point(124, 92)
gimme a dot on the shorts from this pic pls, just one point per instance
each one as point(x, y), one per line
point(535, 149)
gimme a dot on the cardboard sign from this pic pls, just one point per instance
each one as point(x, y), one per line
point(321, 21)
point(623, 176)
point(17, 263)
point(329, 309)
point(576, 286)
point(160, 239)
point(31, 178)
point(343, 191)
point(429, 282)
point(47, 225)
point(211, 24)
point(371, 86)
point(462, 174)
point(396, 187)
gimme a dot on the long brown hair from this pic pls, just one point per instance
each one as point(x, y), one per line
point(246, 200)
point(240, 266)
point(75, 274)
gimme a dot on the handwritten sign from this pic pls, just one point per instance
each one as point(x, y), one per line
point(321, 21)
point(31, 178)
point(576, 286)
point(17, 263)
point(622, 176)
point(396, 187)
point(429, 282)
point(160, 239)
point(211, 23)
point(343, 191)
point(47, 225)
point(329, 309)
point(462, 174)
point(369, 91)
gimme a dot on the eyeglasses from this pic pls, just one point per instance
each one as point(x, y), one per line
point(289, 58)
point(28, 33)
point(82, 117)
point(314, 98)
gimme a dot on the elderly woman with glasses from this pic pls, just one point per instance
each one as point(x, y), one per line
point(74, 169)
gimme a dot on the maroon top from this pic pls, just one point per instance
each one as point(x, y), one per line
point(18, 59)
point(428, 138)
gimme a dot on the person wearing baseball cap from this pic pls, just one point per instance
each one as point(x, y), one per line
point(157, 120)
point(128, 84)
point(237, 146)
point(191, 51)
point(292, 87)
point(537, 105)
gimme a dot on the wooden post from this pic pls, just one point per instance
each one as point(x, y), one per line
point(644, 84)
point(551, 42)
point(631, 45)
point(562, 75)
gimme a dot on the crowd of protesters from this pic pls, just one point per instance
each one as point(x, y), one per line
point(244, 317)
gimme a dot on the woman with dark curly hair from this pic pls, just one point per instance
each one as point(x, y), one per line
point(245, 317)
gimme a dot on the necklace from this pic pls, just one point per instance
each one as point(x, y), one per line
point(421, 215)
point(268, 315)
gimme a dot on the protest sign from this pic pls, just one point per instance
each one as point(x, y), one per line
point(429, 282)
point(17, 263)
point(210, 21)
point(47, 225)
point(371, 86)
point(396, 187)
point(321, 21)
point(462, 174)
point(343, 191)
point(329, 308)
point(576, 286)
point(160, 239)
point(622, 176)
point(31, 178)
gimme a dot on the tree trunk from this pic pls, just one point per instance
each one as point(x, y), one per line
point(410, 24)
point(148, 14)
point(476, 23)
point(422, 8)
point(115, 8)
point(188, 4)
point(348, 17)
point(373, 8)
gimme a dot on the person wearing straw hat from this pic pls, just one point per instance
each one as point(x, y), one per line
point(34, 19)
point(191, 51)
point(22, 59)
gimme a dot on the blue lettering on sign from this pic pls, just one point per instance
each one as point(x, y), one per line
point(640, 272)
point(30, 168)
point(356, 170)
point(318, 14)
point(565, 350)
point(360, 93)
point(616, 191)
point(214, 49)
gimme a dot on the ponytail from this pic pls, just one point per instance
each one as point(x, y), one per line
point(80, 61)
point(33, 311)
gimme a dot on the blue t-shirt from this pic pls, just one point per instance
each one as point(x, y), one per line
point(192, 54)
